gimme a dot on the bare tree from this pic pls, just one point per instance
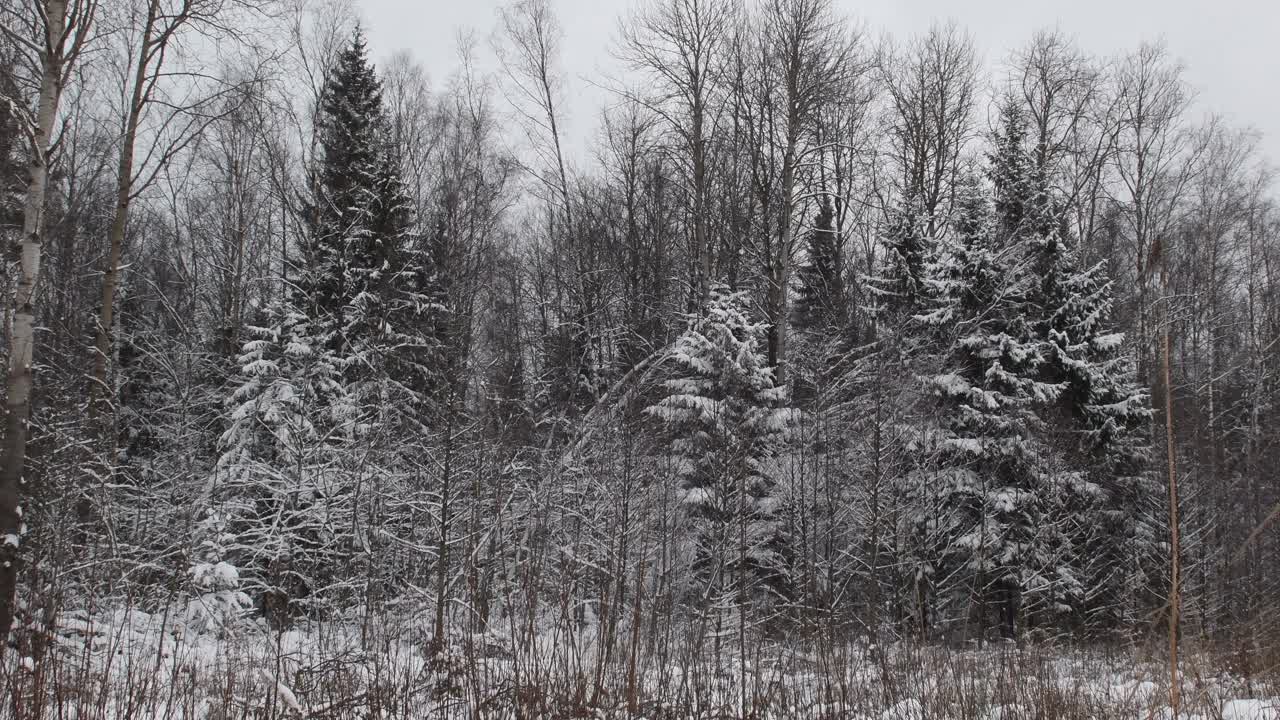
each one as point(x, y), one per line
point(1072, 121)
point(529, 50)
point(931, 85)
point(1154, 160)
point(53, 33)
point(1057, 84)
point(233, 217)
point(811, 61)
point(528, 47)
point(680, 46)
point(171, 105)
point(418, 123)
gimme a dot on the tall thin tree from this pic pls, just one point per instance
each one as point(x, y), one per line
point(57, 31)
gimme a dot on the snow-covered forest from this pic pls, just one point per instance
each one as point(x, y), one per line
point(842, 375)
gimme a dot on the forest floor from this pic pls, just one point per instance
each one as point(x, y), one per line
point(128, 665)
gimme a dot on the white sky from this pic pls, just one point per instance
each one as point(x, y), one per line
point(1231, 48)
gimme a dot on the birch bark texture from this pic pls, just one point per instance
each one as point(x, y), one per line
point(58, 31)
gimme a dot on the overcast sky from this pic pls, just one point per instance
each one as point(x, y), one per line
point(1231, 48)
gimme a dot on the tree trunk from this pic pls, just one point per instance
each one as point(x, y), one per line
point(1174, 539)
point(438, 642)
point(782, 262)
point(18, 398)
point(701, 246)
point(100, 388)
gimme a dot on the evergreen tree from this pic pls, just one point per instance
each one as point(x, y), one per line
point(351, 354)
point(342, 249)
point(370, 289)
point(506, 394)
point(985, 490)
point(397, 328)
point(1100, 416)
point(820, 295)
point(361, 277)
point(821, 310)
point(280, 499)
point(1011, 175)
point(727, 420)
point(1092, 421)
point(12, 167)
point(898, 293)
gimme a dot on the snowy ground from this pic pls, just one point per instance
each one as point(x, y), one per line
point(130, 664)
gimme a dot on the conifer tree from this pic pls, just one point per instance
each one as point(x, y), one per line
point(1102, 411)
point(369, 287)
point(362, 277)
point(341, 248)
point(11, 166)
point(279, 495)
point(1097, 410)
point(820, 298)
point(987, 473)
point(899, 291)
point(728, 419)
point(398, 325)
point(1015, 197)
point(895, 339)
point(821, 309)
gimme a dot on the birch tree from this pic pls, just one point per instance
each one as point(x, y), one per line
point(932, 87)
point(168, 103)
point(813, 62)
point(680, 46)
point(53, 33)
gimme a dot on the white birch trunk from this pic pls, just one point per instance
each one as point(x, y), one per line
point(18, 397)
